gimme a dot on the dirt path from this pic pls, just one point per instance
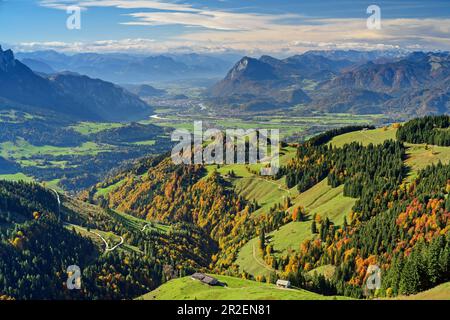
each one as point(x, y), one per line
point(277, 184)
point(107, 248)
point(265, 266)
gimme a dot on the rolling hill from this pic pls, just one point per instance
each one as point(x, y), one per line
point(236, 289)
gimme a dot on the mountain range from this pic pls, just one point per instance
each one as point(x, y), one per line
point(70, 94)
point(127, 68)
point(388, 82)
point(275, 82)
point(145, 90)
point(416, 84)
point(359, 55)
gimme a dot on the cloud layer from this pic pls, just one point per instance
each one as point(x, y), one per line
point(208, 29)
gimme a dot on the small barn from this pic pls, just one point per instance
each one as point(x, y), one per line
point(210, 281)
point(283, 284)
point(198, 276)
point(205, 279)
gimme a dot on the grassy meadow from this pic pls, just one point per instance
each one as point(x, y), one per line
point(235, 289)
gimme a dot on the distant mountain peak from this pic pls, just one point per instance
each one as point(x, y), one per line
point(251, 69)
point(7, 60)
point(243, 63)
point(67, 93)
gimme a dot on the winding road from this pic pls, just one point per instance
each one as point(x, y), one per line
point(59, 202)
point(107, 248)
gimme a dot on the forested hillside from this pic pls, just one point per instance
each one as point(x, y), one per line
point(398, 223)
point(40, 240)
point(430, 130)
point(35, 248)
point(350, 205)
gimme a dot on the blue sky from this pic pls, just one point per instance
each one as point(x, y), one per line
point(250, 26)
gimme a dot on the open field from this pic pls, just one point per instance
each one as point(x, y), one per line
point(89, 210)
point(239, 170)
point(145, 143)
point(53, 184)
point(137, 223)
point(87, 128)
point(60, 165)
point(287, 124)
point(21, 149)
point(104, 191)
point(15, 177)
point(14, 116)
point(420, 156)
point(265, 191)
point(327, 271)
point(236, 289)
point(365, 137)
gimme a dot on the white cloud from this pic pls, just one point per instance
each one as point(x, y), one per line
point(215, 20)
point(427, 34)
point(254, 32)
point(123, 4)
point(166, 13)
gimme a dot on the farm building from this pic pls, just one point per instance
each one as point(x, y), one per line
point(283, 284)
point(198, 276)
point(210, 281)
point(205, 279)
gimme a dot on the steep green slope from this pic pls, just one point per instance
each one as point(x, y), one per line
point(419, 156)
point(375, 136)
point(236, 289)
point(371, 176)
point(265, 191)
point(441, 292)
point(329, 202)
point(320, 199)
point(326, 270)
